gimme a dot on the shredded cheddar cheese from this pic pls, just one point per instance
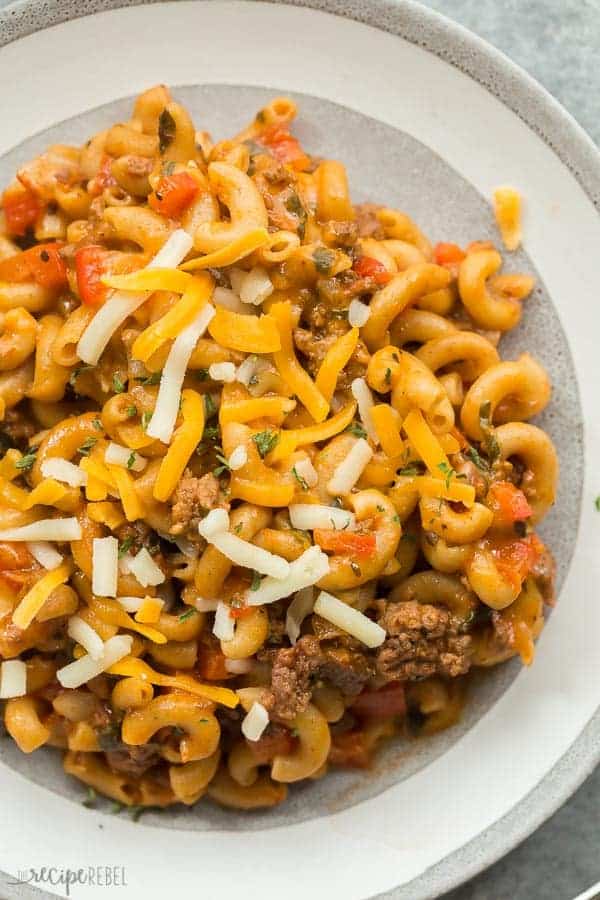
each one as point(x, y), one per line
point(106, 513)
point(248, 334)
point(425, 443)
point(137, 668)
point(132, 505)
point(34, 599)
point(182, 446)
point(297, 378)
point(334, 362)
point(46, 493)
point(150, 280)
point(180, 315)
point(387, 425)
point(290, 440)
point(231, 254)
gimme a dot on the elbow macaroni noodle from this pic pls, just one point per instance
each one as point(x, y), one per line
point(431, 544)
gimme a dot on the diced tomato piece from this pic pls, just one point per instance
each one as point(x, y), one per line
point(211, 663)
point(350, 749)
point(276, 741)
point(508, 503)
point(515, 559)
point(22, 209)
point(42, 264)
point(174, 194)
point(448, 255)
point(91, 263)
point(367, 267)
point(345, 543)
point(389, 700)
point(240, 611)
point(284, 147)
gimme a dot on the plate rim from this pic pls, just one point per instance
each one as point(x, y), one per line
point(541, 112)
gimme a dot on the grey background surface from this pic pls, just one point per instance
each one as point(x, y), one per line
point(558, 42)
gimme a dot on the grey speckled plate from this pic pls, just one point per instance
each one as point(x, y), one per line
point(421, 139)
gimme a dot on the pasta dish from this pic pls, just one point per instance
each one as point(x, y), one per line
point(268, 491)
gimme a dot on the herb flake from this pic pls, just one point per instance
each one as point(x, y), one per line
point(265, 441)
point(167, 130)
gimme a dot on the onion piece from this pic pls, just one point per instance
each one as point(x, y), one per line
point(224, 626)
point(223, 371)
point(358, 314)
point(238, 458)
point(255, 286)
point(255, 722)
point(13, 679)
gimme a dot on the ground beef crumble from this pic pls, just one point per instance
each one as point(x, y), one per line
point(192, 500)
point(423, 640)
point(297, 669)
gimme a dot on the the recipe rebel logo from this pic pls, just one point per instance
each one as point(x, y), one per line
point(67, 879)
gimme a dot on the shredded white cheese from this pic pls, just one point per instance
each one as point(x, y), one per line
point(350, 469)
point(62, 470)
point(255, 286)
point(121, 304)
point(84, 669)
point(117, 455)
point(44, 530)
point(45, 554)
point(224, 371)
point(305, 571)
point(13, 679)
point(349, 620)
point(238, 458)
point(243, 553)
point(306, 516)
point(358, 314)
point(145, 569)
point(255, 722)
point(216, 521)
point(165, 413)
point(363, 396)
point(83, 633)
point(300, 607)
point(224, 626)
point(239, 666)
point(305, 469)
point(105, 566)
